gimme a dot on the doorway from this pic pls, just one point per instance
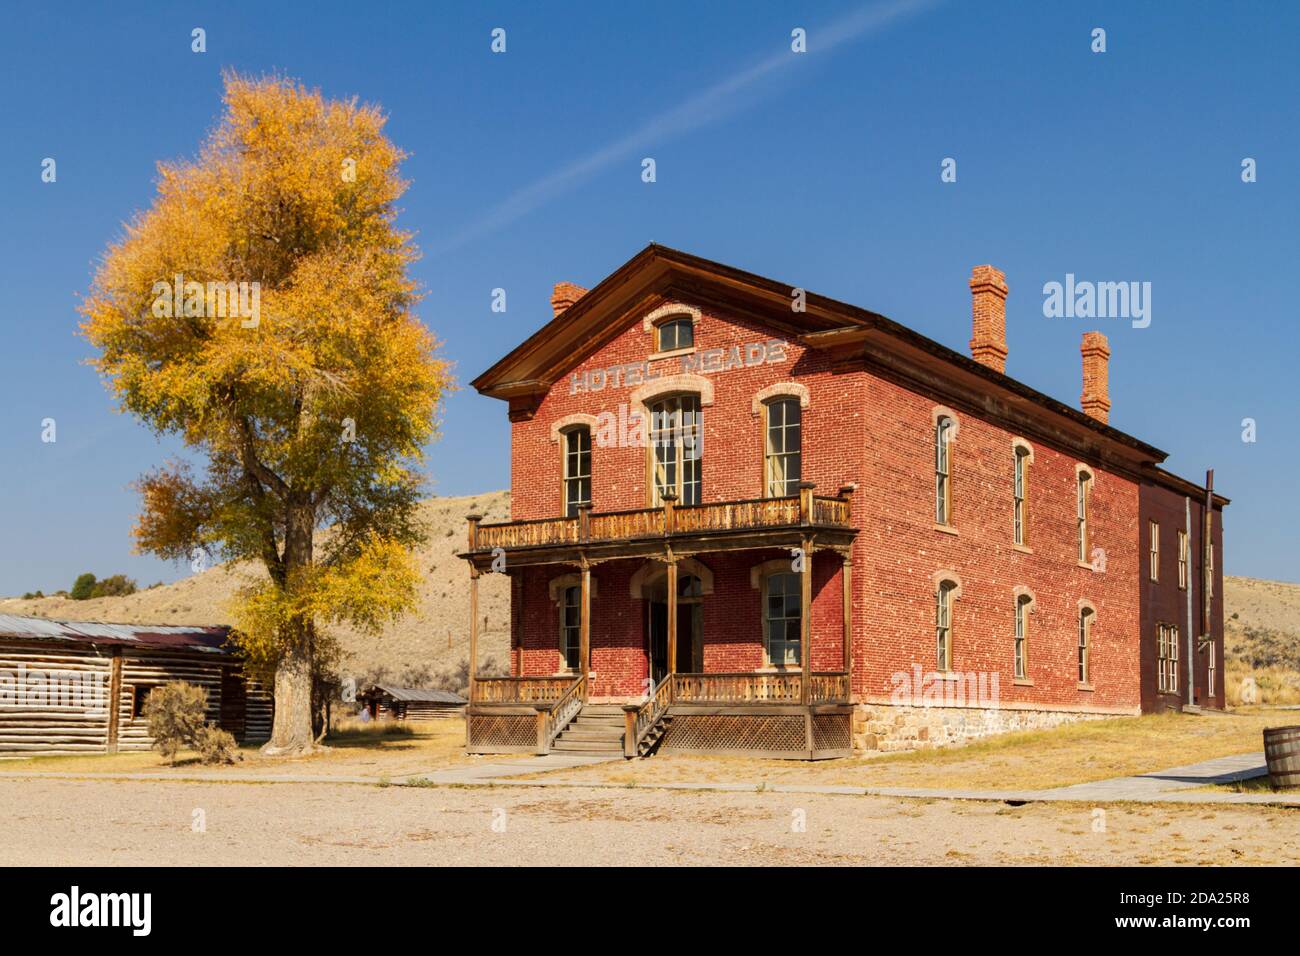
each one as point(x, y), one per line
point(690, 636)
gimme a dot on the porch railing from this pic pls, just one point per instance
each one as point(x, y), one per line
point(805, 509)
point(641, 721)
point(518, 690)
point(555, 718)
point(748, 688)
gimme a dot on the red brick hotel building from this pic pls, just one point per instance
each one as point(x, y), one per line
point(750, 518)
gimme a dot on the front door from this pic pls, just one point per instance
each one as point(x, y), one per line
point(690, 647)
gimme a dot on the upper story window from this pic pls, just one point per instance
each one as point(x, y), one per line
point(783, 456)
point(943, 432)
point(1209, 569)
point(674, 334)
point(1020, 490)
point(943, 624)
point(577, 469)
point(1153, 555)
point(1084, 496)
point(1182, 560)
point(677, 448)
point(782, 618)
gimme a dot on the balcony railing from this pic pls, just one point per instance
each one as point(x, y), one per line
point(756, 514)
point(518, 690)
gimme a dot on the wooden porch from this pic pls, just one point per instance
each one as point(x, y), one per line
point(792, 713)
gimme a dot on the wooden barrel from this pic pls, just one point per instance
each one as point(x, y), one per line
point(1282, 751)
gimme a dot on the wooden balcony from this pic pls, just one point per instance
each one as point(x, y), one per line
point(723, 525)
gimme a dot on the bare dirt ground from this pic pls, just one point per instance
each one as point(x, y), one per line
point(83, 822)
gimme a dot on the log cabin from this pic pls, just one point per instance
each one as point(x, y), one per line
point(387, 702)
point(747, 518)
point(78, 687)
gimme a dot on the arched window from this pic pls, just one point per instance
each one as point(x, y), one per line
point(1083, 501)
point(570, 627)
point(1086, 616)
point(577, 469)
point(943, 624)
point(782, 618)
point(677, 448)
point(783, 455)
point(674, 334)
point(1020, 492)
point(1022, 635)
point(943, 430)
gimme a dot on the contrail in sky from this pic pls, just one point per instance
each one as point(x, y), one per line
point(714, 103)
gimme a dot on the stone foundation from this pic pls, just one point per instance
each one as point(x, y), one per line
point(889, 727)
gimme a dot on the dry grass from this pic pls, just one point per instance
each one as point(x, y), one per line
point(353, 752)
point(1274, 685)
point(1075, 753)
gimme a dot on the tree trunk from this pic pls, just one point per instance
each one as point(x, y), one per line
point(291, 730)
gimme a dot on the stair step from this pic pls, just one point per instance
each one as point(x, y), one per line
point(572, 734)
point(585, 747)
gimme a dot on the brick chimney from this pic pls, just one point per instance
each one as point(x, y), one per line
point(565, 294)
point(1096, 376)
point(988, 343)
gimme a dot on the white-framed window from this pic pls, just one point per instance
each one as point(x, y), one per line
point(1182, 560)
point(571, 627)
point(1209, 569)
point(1022, 635)
point(943, 431)
point(1083, 497)
point(1209, 670)
point(1167, 658)
point(1153, 532)
point(1020, 489)
point(943, 624)
point(1086, 616)
point(783, 455)
point(577, 469)
point(677, 448)
point(782, 618)
point(674, 334)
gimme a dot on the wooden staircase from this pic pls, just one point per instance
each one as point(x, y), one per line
point(597, 730)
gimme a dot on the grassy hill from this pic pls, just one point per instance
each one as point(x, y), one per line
point(1262, 638)
point(1262, 627)
point(431, 643)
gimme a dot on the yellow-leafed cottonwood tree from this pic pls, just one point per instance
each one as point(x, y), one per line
point(262, 310)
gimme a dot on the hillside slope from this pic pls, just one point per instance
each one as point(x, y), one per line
point(432, 640)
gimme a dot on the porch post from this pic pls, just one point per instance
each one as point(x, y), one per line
point(584, 626)
point(672, 612)
point(846, 583)
point(805, 617)
point(473, 629)
point(473, 520)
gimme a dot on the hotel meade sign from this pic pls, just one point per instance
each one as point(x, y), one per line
point(703, 362)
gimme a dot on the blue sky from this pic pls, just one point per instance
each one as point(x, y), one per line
point(821, 169)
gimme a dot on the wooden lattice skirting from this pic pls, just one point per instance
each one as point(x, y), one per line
point(782, 731)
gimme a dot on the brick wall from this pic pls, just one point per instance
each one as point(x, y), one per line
point(863, 428)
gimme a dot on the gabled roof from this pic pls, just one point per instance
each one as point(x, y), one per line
point(659, 272)
point(421, 694)
point(162, 636)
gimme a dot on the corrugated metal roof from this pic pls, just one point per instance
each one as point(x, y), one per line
point(419, 694)
point(179, 636)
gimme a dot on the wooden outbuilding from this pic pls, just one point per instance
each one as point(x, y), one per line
point(72, 687)
point(410, 703)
